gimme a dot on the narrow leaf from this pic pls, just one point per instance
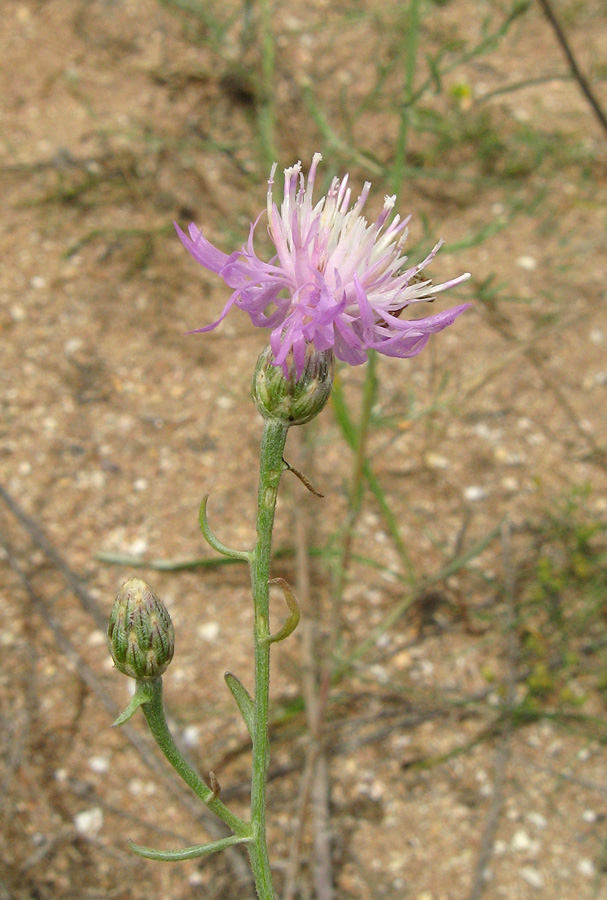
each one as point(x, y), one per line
point(188, 852)
point(244, 701)
point(140, 696)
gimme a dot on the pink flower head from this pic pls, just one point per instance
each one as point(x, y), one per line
point(335, 281)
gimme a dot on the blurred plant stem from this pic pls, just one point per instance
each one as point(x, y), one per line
point(411, 21)
point(266, 114)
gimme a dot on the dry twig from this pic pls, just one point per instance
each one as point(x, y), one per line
point(575, 69)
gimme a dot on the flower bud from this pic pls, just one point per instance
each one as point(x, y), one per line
point(289, 398)
point(140, 633)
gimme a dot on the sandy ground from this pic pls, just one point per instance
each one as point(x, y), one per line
point(118, 117)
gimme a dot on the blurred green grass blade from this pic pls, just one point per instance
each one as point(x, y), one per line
point(348, 429)
point(455, 565)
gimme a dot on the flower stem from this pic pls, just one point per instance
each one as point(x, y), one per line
point(153, 710)
point(270, 469)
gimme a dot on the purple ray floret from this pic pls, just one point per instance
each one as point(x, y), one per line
point(336, 281)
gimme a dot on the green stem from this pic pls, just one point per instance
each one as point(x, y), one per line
point(153, 710)
point(266, 118)
point(270, 469)
point(357, 485)
point(411, 25)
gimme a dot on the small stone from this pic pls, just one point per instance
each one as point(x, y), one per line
point(191, 736)
point(507, 457)
point(208, 631)
point(139, 788)
point(140, 484)
point(533, 878)
point(586, 867)
point(436, 461)
point(17, 313)
point(589, 816)
point(138, 547)
point(537, 819)
point(89, 822)
point(521, 842)
point(380, 673)
point(596, 336)
point(38, 282)
point(528, 263)
point(474, 493)
point(99, 764)
point(97, 638)
point(73, 346)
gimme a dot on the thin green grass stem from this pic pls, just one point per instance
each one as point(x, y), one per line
point(357, 484)
point(349, 431)
point(459, 562)
point(411, 25)
point(266, 116)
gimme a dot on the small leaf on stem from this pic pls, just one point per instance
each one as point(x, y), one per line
point(244, 701)
point(293, 617)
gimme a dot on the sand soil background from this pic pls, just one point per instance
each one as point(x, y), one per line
point(464, 739)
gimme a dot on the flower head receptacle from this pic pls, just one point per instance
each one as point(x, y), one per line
point(141, 638)
point(294, 398)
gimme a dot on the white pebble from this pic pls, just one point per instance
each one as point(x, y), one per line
point(38, 282)
point(89, 822)
point(474, 492)
point(521, 841)
point(528, 263)
point(99, 764)
point(191, 736)
point(586, 867)
point(537, 819)
point(208, 631)
point(596, 336)
point(380, 673)
point(139, 788)
point(97, 638)
point(73, 346)
point(436, 461)
point(589, 816)
point(532, 877)
point(140, 484)
point(139, 546)
point(17, 313)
